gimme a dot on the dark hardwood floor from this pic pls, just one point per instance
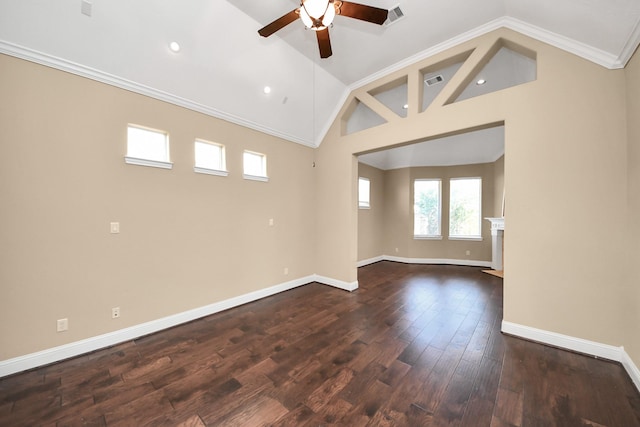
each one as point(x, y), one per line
point(416, 345)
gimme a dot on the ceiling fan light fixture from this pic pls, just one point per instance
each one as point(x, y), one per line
point(317, 14)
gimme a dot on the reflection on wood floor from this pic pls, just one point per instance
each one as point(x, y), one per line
point(416, 345)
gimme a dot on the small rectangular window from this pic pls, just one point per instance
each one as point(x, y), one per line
point(209, 158)
point(147, 147)
point(255, 166)
point(364, 188)
point(465, 208)
point(426, 208)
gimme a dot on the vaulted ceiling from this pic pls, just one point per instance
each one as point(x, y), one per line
point(224, 65)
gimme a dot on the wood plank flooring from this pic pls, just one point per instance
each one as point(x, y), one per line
point(416, 345)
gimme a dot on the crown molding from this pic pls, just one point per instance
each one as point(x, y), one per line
point(630, 46)
point(102, 77)
point(567, 44)
point(598, 56)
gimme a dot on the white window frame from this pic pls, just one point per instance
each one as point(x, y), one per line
point(141, 161)
point(253, 177)
point(428, 236)
point(362, 203)
point(463, 236)
point(222, 171)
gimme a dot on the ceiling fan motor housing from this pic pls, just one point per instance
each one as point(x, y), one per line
point(318, 14)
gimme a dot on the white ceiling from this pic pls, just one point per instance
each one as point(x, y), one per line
point(481, 146)
point(224, 64)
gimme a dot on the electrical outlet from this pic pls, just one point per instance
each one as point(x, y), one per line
point(468, 252)
point(115, 312)
point(286, 271)
point(62, 325)
point(114, 227)
point(270, 222)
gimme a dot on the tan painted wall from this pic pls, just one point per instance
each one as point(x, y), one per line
point(565, 183)
point(399, 214)
point(498, 186)
point(455, 249)
point(632, 306)
point(371, 221)
point(187, 239)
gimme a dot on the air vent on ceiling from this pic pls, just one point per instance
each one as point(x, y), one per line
point(85, 7)
point(395, 14)
point(433, 80)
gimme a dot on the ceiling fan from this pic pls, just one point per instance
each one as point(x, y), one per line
point(318, 15)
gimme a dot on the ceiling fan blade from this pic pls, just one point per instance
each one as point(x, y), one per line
point(279, 23)
point(363, 12)
point(324, 43)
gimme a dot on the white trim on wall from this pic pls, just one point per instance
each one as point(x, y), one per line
point(346, 286)
point(589, 53)
point(110, 79)
point(370, 261)
point(592, 348)
point(631, 368)
point(56, 354)
point(446, 261)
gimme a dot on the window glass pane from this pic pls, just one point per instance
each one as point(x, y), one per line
point(255, 164)
point(426, 208)
point(465, 207)
point(147, 144)
point(363, 192)
point(209, 155)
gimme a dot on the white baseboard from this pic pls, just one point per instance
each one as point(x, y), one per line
point(370, 261)
point(56, 354)
point(336, 283)
point(632, 368)
point(605, 351)
point(446, 261)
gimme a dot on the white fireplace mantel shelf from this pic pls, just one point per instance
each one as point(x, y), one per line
point(497, 234)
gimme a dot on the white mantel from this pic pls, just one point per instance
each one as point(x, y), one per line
point(497, 234)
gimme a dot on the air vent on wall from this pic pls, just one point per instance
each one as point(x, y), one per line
point(433, 80)
point(394, 15)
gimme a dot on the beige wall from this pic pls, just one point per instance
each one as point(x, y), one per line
point(632, 297)
point(498, 186)
point(454, 249)
point(398, 214)
point(371, 221)
point(565, 177)
point(187, 239)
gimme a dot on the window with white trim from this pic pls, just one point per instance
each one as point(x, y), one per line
point(209, 158)
point(364, 193)
point(254, 166)
point(427, 201)
point(465, 208)
point(147, 147)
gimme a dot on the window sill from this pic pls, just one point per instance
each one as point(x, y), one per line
point(427, 237)
point(364, 207)
point(470, 238)
point(256, 178)
point(146, 162)
point(208, 171)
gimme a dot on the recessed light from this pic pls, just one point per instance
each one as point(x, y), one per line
point(267, 90)
point(481, 82)
point(174, 46)
point(405, 106)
